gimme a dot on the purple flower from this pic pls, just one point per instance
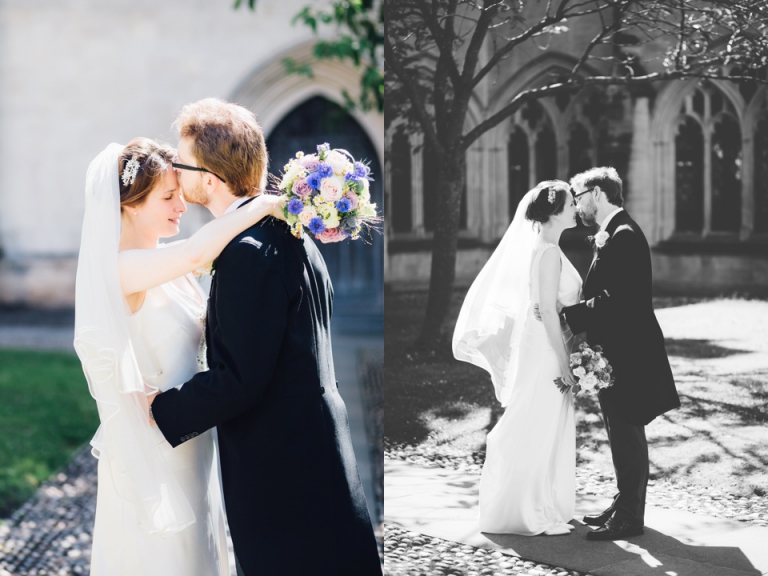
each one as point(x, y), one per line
point(324, 146)
point(314, 180)
point(325, 170)
point(301, 188)
point(295, 206)
point(316, 225)
point(344, 205)
point(352, 197)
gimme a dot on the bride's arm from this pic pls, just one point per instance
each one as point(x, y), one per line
point(549, 281)
point(141, 270)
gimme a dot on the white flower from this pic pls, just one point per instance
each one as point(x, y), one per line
point(307, 214)
point(338, 162)
point(601, 238)
point(367, 211)
point(332, 220)
point(293, 171)
point(580, 372)
point(590, 381)
point(332, 188)
point(601, 364)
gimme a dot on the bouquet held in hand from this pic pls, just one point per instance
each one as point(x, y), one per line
point(591, 369)
point(328, 194)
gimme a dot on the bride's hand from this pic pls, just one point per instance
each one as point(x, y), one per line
point(274, 203)
point(569, 382)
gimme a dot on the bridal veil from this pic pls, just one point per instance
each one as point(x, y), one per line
point(125, 439)
point(491, 320)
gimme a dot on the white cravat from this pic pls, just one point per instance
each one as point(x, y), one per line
point(608, 218)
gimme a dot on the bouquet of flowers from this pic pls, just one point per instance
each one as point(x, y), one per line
point(328, 194)
point(591, 369)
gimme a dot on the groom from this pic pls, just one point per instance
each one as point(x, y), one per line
point(294, 501)
point(617, 314)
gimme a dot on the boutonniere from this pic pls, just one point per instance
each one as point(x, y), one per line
point(208, 270)
point(601, 238)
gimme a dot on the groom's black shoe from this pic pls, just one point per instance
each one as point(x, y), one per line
point(598, 519)
point(616, 529)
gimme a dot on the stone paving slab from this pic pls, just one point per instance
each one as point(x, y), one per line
point(443, 503)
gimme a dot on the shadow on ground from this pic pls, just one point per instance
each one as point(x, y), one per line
point(717, 437)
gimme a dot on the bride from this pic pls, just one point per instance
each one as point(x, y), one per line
point(527, 485)
point(139, 316)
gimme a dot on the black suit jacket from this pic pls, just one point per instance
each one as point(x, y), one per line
point(625, 325)
point(295, 504)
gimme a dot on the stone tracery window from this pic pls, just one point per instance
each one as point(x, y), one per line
point(518, 166)
point(400, 165)
point(708, 164)
point(689, 176)
point(531, 151)
point(761, 175)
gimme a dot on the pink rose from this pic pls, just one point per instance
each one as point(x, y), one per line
point(352, 197)
point(307, 214)
point(310, 162)
point(301, 188)
point(331, 235)
point(332, 188)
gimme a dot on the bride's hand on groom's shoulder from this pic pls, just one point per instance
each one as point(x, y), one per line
point(278, 206)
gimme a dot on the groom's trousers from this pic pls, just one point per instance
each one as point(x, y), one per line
point(629, 450)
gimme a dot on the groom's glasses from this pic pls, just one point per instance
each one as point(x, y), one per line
point(582, 193)
point(196, 169)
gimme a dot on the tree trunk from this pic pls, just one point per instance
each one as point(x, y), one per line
point(450, 184)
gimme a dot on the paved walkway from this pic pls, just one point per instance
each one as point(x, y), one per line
point(51, 534)
point(441, 505)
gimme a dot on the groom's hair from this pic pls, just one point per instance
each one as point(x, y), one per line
point(606, 178)
point(228, 141)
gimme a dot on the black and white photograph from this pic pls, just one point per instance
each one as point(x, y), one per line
point(191, 288)
point(576, 288)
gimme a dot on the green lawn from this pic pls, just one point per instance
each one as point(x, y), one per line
point(719, 354)
point(46, 412)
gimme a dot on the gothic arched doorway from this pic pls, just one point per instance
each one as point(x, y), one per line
point(356, 267)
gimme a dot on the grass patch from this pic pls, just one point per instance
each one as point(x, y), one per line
point(46, 412)
point(717, 438)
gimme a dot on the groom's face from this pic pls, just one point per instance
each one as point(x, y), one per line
point(585, 204)
point(190, 182)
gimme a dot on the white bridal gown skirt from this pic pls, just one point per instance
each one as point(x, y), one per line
point(528, 480)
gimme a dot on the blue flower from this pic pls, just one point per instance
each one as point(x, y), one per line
point(343, 205)
point(361, 170)
point(324, 146)
point(316, 225)
point(325, 170)
point(295, 206)
point(314, 180)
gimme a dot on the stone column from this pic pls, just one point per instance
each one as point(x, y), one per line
point(641, 202)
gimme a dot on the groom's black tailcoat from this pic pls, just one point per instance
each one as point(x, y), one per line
point(625, 325)
point(294, 500)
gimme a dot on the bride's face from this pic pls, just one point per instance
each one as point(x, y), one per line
point(568, 216)
point(161, 212)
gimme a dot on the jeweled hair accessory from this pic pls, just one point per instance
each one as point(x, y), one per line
point(130, 171)
point(552, 195)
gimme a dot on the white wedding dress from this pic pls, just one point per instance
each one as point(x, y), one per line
point(528, 480)
point(165, 335)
